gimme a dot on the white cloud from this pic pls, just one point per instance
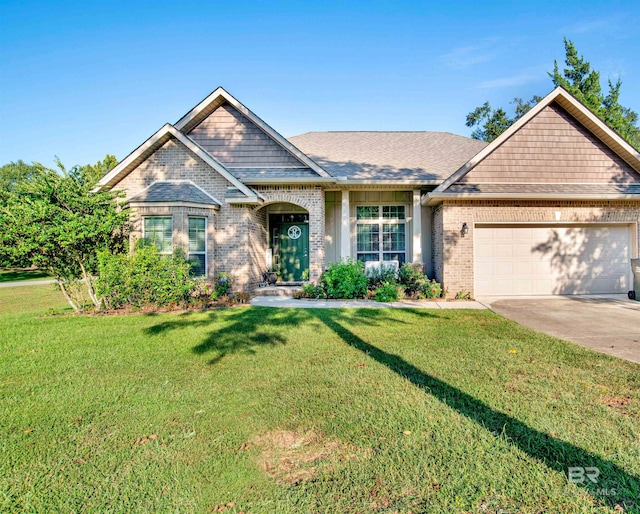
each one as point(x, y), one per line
point(603, 25)
point(464, 57)
point(528, 76)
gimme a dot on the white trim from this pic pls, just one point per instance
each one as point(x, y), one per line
point(417, 228)
point(385, 182)
point(220, 92)
point(345, 226)
point(285, 180)
point(248, 200)
point(129, 159)
point(564, 98)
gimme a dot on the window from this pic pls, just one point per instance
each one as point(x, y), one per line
point(159, 231)
point(380, 233)
point(198, 246)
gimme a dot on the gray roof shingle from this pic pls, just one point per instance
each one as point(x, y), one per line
point(178, 191)
point(427, 156)
point(245, 174)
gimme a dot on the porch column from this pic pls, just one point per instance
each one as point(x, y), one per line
point(417, 228)
point(345, 231)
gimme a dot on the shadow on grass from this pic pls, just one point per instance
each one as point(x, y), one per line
point(235, 330)
point(245, 329)
point(17, 275)
point(614, 485)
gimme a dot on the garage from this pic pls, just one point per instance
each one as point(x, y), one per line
point(552, 259)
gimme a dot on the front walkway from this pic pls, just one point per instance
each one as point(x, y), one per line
point(20, 283)
point(281, 301)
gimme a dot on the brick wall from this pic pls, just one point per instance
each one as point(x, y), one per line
point(310, 198)
point(453, 252)
point(237, 234)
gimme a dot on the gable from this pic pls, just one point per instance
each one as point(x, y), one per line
point(237, 142)
point(552, 147)
point(173, 161)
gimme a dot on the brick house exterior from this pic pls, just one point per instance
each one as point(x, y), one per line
point(552, 206)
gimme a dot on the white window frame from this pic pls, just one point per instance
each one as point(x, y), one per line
point(144, 237)
point(204, 252)
point(380, 221)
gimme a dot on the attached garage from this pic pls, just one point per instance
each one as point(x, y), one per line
point(523, 259)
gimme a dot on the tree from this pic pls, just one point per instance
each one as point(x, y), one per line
point(12, 174)
point(56, 222)
point(94, 172)
point(491, 123)
point(582, 82)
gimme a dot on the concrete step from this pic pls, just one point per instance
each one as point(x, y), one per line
point(276, 290)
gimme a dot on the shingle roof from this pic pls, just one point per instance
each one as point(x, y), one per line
point(428, 156)
point(176, 191)
point(586, 189)
point(272, 173)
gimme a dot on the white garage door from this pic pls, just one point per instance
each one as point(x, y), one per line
point(542, 260)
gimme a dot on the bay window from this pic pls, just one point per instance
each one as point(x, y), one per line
point(159, 231)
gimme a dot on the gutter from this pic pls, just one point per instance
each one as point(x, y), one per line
point(282, 180)
point(436, 198)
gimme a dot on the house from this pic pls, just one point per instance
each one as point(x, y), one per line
point(550, 207)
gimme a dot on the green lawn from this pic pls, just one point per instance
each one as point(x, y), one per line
point(263, 410)
point(15, 275)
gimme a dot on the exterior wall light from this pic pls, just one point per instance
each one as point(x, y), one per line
point(465, 229)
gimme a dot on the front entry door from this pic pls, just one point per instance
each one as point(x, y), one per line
point(293, 251)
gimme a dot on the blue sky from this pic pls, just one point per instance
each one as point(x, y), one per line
point(80, 81)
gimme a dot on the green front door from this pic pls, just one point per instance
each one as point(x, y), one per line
point(293, 251)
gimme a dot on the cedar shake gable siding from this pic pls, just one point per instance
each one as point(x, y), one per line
point(237, 142)
point(553, 147)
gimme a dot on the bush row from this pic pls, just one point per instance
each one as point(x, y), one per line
point(147, 278)
point(348, 280)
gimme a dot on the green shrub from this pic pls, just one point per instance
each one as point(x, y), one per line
point(222, 285)
point(431, 289)
point(463, 295)
point(387, 292)
point(316, 291)
point(378, 276)
point(412, 278)
point(143, 278)
point(345, 279)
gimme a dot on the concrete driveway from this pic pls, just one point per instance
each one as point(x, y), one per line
point(606, 323)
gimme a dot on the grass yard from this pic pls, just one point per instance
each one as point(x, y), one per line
point(18, 275)
point(263, 410)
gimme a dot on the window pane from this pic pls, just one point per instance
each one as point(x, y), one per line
point(400, 257)
point(367, 212)
point(369, 257)
point(368, 238)
point(395, 212)
point(197, 265)
point(196, 234)
point(159, 231)
point(393, 237)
